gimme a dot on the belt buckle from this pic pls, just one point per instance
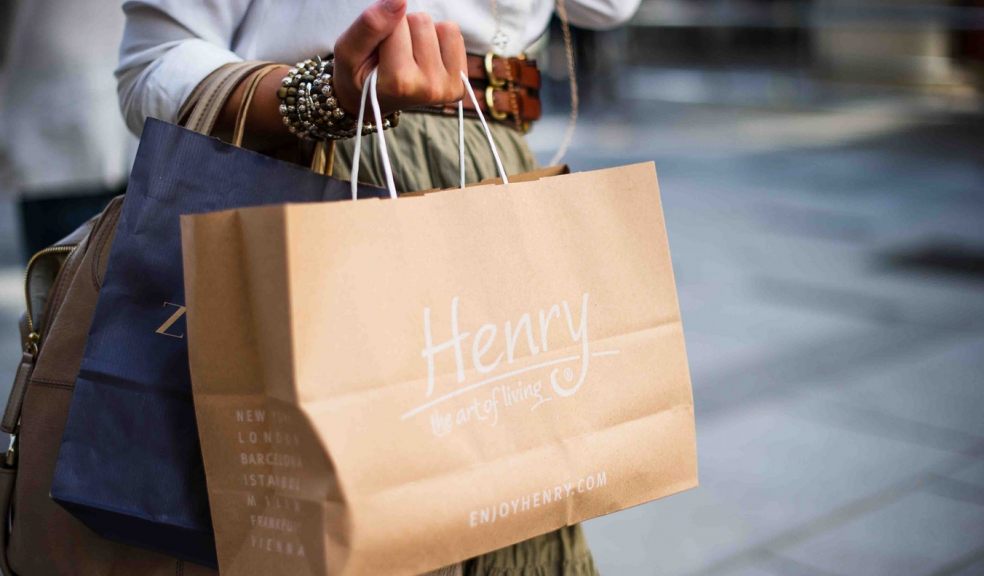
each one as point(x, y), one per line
point(490, 104)
point(494, 81)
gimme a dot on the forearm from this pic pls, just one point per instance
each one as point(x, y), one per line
point(263, 117)
point(167, 49)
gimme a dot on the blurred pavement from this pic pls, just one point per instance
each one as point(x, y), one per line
point(830, 262)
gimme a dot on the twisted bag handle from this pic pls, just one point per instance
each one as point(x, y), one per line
point(369, 88)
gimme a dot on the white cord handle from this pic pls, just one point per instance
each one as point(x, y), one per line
point(369, 88)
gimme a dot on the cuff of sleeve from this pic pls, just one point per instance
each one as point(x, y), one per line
point(161, 88)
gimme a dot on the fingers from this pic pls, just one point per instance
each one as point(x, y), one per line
point(357, 49)
point(426, 49)
point(359, 42)
point(396, 52)
point(453, 56)
point(420, 61)
point(428, 52)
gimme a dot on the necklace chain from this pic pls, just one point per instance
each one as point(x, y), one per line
point(499, 42)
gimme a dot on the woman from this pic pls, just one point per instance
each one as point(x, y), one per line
point(169, 46)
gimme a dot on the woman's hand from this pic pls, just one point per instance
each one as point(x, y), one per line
point(420, 61)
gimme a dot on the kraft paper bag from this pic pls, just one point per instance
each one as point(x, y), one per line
point(391, 386)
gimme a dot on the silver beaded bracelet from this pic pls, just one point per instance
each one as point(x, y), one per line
point(309, 108)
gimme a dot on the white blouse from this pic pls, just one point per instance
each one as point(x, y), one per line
point(169, 46)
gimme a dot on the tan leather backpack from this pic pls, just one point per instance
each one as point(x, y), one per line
point(37, 536)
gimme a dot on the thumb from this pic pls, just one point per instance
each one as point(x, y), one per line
point(360, 41)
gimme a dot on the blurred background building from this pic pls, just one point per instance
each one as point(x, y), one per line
point(822, 173)
point(784, 52)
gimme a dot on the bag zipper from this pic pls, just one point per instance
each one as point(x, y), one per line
point(33, 343)
point(33, 332)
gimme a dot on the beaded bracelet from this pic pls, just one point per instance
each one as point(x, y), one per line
point(309, 108)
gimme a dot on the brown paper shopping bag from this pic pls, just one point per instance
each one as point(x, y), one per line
point(391, 386)
point(386, 387)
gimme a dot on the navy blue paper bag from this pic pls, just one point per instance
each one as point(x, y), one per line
point(130, 466)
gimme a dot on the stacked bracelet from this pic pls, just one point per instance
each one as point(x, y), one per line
point(309, 108)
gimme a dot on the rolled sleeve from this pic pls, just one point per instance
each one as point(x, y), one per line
point(601, 14)
point(168, 48)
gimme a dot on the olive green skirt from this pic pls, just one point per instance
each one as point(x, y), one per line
point(423, 151)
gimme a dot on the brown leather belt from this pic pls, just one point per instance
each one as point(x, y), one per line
point(508, 91)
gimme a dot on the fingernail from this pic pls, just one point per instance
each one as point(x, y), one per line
point(392, 5)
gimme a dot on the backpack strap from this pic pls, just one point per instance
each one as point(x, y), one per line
point(8, 468)
point(202, 108)
point(7, 477)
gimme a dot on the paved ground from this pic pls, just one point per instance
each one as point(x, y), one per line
point(830, 263)
point(831, 271)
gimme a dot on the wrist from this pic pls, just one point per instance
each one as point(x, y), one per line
point(346, 91)
point(310, 107)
